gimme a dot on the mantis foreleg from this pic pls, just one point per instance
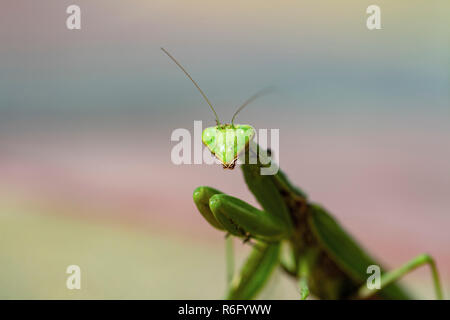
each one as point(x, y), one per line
point(242, 219)
point(201, 200)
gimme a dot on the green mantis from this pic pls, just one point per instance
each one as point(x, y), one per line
point(317, 252)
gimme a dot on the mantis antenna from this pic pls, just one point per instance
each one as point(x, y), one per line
point(195, 83)
point(251, 99)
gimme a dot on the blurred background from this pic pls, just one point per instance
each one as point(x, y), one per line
point(86, 117)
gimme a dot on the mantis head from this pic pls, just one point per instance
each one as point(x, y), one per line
point(225, 141)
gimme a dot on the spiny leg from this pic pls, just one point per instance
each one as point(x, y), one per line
point(391, 276)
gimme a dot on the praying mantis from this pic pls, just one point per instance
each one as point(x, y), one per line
point(289, 231)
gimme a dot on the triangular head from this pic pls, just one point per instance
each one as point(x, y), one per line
point(228, 141)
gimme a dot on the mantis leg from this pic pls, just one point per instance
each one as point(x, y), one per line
point(288, 260)
point(237, 217)
point(304, 290)
point(201, 200)
point(256, 271)
point(303, 275)
point(242, 219)
point(229, 252)
point(391, 276)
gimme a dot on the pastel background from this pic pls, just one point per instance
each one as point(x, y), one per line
point(86, 118)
